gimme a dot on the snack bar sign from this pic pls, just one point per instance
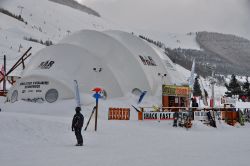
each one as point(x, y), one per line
point(172, 90)
point(157, 115)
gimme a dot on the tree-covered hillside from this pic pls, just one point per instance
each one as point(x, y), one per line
point(228, 53)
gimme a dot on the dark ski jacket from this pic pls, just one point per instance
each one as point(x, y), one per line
point(77, 121)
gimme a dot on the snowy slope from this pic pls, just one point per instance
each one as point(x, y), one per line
point(178, 40)
point(172, 40)
point(46, 21)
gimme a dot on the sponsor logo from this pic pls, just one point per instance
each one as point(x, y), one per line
point(46, 64)
point(147, 60)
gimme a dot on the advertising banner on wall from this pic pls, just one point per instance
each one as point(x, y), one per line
point(36, 90)
point(33, 86)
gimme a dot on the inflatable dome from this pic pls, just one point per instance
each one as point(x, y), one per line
point(116, 61)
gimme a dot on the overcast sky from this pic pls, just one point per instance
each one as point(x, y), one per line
point(181, 16)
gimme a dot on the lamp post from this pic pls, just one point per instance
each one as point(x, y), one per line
point(162, 75)
point(97, 96)
point(212, 82)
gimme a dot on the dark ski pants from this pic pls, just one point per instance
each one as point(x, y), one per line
point(79, 135)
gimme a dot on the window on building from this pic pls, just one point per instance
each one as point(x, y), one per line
point(14, 96)
point(51, 95)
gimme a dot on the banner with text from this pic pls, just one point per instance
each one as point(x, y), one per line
point(157, 115)
point(172, 90)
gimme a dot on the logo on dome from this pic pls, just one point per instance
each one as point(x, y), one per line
point(147, 60)
point(46, 64)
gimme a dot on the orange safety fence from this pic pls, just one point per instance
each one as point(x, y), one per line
point(119, 113)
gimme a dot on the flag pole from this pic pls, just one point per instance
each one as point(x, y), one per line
point(4, 79)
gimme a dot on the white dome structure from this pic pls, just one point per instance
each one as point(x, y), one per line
point(116, 61)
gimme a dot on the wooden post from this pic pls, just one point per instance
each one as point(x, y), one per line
point(23, 58)
point(23, 63)
point(19, 61)
point(165, 101)
point(4, 79)
point(90, 118)
point(96, 114)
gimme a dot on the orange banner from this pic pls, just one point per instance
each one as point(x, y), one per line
point(119, 114)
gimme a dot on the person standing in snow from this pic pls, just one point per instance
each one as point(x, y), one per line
point(194, 102)
point(77, 123)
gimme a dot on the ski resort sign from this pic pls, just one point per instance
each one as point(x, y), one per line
point(156, 115)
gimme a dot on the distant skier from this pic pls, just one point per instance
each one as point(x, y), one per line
point(77, 123)
point(176, 117)
point(194, 102)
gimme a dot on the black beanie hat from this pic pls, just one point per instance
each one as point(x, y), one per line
point(78, 109)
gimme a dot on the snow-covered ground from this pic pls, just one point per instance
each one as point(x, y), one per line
point(40, 134)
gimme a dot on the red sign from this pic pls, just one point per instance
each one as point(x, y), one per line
point(119, 114)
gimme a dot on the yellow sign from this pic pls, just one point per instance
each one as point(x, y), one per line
point(172, 90)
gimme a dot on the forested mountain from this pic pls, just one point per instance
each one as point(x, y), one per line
point(229, 54)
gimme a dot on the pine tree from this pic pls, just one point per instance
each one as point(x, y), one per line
point(196, 87)
point(233, 88)
point(246, 87)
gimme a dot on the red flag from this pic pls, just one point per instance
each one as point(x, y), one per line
point(97, 89)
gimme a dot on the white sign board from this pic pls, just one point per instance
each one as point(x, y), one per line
point(158, 115)
point(200, 115)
